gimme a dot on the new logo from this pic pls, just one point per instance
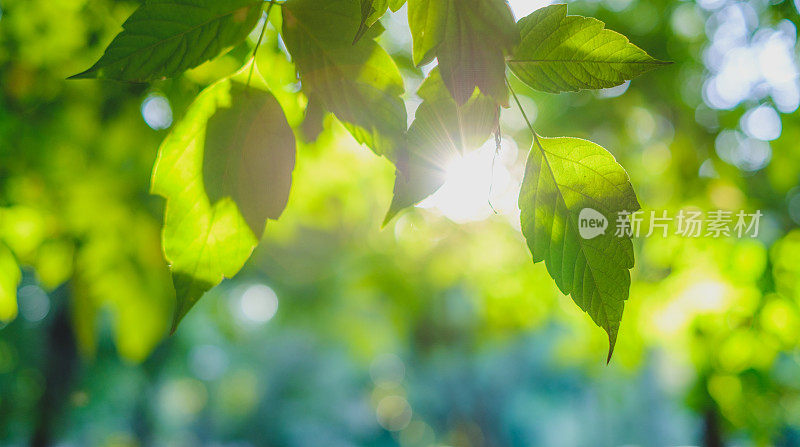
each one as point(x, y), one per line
point(591, 223)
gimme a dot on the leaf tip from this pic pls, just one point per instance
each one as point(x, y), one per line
point(362, 29)
point(176, 320)
point(88, 74)
point(188, 290)
point(612, 341)
point(180, 311)
point(391, 214)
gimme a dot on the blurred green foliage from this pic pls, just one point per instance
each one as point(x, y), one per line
point(428, 332)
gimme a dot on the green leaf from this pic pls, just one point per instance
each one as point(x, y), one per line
point(427, 19)
point(249, 156)
point(359, 83)
point(441, 132)
point(163, 38)
point(560, 53)
point(470, 38)
point(478, 35)
point(206, 241)
point(10, 277)
point(313, 122)
point(563, 177)
point(371, 12)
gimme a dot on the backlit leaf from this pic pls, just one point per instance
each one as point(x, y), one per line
point(166, 37)
point(561, 53)
point(359, 83)
point(371, 12)
point(207, 240)
point(249, 156)
point(477, 37)
point(313, 121)
point(441, 132)
point(471, 39)
point(427, 19)
point(563, 177)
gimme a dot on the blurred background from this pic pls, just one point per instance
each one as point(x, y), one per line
point(436, 330)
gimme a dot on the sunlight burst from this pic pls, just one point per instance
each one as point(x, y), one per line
point(477, 182)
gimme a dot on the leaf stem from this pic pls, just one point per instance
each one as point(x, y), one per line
point(258, 44)
point(524, 115)
point(497, 142)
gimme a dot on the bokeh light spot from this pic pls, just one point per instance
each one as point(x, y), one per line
point(258, 303)
point(762, 123)
point(34, 305)
point(394, 413)
point(157, 112)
